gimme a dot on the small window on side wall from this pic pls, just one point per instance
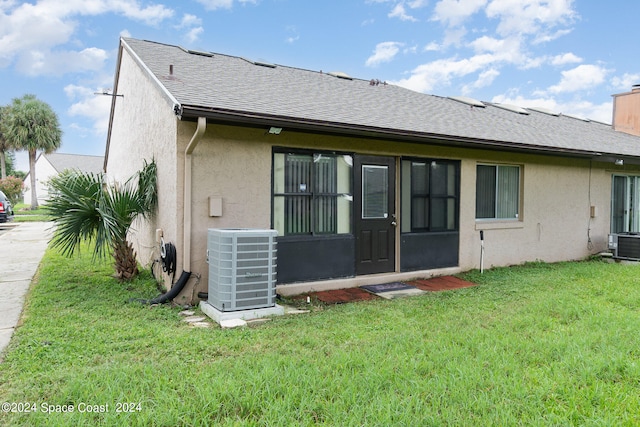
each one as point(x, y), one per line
point(498, 192)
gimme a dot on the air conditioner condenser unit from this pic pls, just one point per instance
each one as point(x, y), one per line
point(242, 269)
point(625, 246)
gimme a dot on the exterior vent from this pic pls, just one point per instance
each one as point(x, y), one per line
point(625, 246)
point(260, 63)
point(469, 101)
point(200, 53)
point(340, 75)
point(571, 116)
point(242, 269)
point(264, 64)
point(544, 111)
point(512, 108)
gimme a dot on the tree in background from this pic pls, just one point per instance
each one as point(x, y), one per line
point(30, 124)
point(4, 147)
point(12, 187)
point(85, 207)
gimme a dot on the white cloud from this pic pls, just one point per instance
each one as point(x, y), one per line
point(547, 37)
point(565, 58)
point(626, 81)
point(583, 77)
point(87, 105)
point(223, 4)
point(57, 63)
point(432, 47)
point(189, 20)
point(194, 34)
point(426, 77)
point(455, 12)
point(384, 52)
point(400, 12)
point(530, 16)
point(32, 31)
point(193, 25)
point(485, 79)
point(294, 34)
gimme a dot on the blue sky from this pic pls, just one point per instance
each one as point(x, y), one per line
point(566, 55)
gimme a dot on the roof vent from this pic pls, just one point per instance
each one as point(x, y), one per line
point(340, 75)
point(512, 108)
point(544, 111)
point(571, 116)
point(264, 64)
point(468, 101)
point(261, 63)
point(200, 53)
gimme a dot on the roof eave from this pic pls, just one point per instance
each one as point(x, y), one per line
point(345, 129)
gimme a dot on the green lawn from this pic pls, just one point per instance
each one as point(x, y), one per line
point(532, 345)
point(23, 213)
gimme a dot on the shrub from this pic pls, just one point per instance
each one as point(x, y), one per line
point(12, 188)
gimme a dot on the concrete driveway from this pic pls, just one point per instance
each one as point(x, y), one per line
point(21, 249)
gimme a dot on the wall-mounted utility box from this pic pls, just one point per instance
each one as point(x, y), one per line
point(215, 206)
point(242, 268)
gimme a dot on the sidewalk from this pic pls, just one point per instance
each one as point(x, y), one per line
point(21, 249)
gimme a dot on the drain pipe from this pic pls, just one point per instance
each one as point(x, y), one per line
point(195, 139)
point(186, 251)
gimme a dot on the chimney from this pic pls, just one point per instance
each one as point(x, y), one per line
point(626, 111)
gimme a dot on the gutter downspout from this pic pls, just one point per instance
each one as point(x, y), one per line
point(186, 260)
point(195, 139)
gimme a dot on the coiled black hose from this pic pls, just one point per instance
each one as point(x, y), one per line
point(168, 259)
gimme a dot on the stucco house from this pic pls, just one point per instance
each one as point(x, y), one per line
point(365, 182)
point(52, 164)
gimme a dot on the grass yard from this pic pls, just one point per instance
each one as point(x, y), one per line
point(23, 213)
point(532, 345)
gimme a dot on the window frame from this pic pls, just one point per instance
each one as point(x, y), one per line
point(518, 215)
point(631, 216)
point(430, 195)
point(311, 193)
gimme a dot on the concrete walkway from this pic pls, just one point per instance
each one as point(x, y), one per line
point(21, 249)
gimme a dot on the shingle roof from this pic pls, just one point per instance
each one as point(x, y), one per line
point(233, 86)
point(81, 162)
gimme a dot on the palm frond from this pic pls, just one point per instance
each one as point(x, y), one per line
point(85, 208)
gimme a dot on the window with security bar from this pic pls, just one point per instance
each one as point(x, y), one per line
point(312, 193)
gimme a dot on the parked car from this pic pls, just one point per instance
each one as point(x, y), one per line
point(6, 211)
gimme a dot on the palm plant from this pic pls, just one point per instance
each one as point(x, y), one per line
point(85, 207)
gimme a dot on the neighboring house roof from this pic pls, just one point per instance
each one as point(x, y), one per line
point(80, 162)
point(84, 163)
point(233, 89)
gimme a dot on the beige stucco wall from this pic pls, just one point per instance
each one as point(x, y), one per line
point(555, 223)
point(144, 128)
